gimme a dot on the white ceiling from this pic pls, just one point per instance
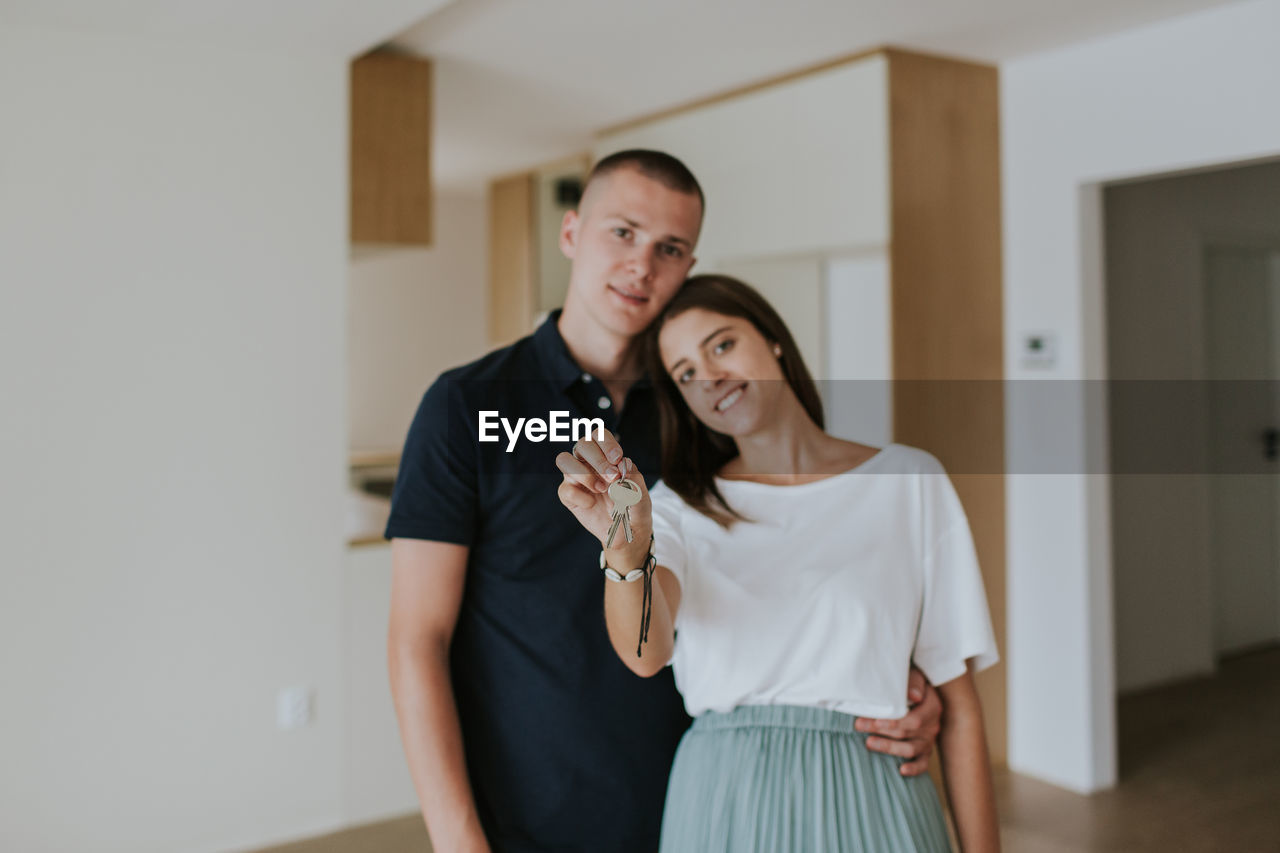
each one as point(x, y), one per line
point(522, 82)
point(343, 27)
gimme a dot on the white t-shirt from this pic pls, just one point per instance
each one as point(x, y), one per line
point(829, 593)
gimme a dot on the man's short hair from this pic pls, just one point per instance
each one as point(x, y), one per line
point(655, 165)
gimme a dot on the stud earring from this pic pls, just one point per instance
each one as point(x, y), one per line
point(777, 350)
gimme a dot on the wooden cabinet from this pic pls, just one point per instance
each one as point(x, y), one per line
point(512, 258)
point(391, 150)
point(528, 275)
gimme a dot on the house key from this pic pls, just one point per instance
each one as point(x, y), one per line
point(624, 494)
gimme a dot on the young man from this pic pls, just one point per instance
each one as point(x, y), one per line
point(522, 730)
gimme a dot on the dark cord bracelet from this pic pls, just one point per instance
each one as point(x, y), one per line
point(646, 609)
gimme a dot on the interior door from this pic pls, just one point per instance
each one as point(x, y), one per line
point(1242, 302)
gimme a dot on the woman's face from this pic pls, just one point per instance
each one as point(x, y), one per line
point(727, 372)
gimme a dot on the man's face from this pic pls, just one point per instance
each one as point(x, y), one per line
point(631, 243)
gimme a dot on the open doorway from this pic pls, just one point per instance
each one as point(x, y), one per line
point(1193, 350)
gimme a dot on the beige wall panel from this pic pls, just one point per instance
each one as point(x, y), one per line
point(511, 258)
point(947, 303)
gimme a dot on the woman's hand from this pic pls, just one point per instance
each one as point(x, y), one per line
point(588, 473)
point(640, 617)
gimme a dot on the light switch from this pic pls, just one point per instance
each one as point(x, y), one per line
point(294, 707)
point(1039, 350)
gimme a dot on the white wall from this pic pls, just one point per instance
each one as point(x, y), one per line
point(796, 177)
point(859, 358)
point(797, 168)
point(1190, 92)
point(172, 257)
point(375, 777)
point(412, 314)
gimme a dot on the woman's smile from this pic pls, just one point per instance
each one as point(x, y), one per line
point(732, 397)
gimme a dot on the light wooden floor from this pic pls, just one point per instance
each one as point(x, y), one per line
point(1199, 767)
point(402, 835)
point(1199, 771)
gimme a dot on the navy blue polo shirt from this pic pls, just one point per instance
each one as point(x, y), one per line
point(566, 748)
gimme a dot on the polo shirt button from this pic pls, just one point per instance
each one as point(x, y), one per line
point(604, 402)
point(586, 377)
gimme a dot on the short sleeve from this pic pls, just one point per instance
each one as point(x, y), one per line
point(435, 495)
point(955, 623)
point(668, 538)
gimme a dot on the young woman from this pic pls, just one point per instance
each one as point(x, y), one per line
point(793, 579)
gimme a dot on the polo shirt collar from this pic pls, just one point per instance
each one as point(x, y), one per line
point(554, 355)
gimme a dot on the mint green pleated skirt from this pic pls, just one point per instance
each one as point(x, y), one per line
point(787, 779)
